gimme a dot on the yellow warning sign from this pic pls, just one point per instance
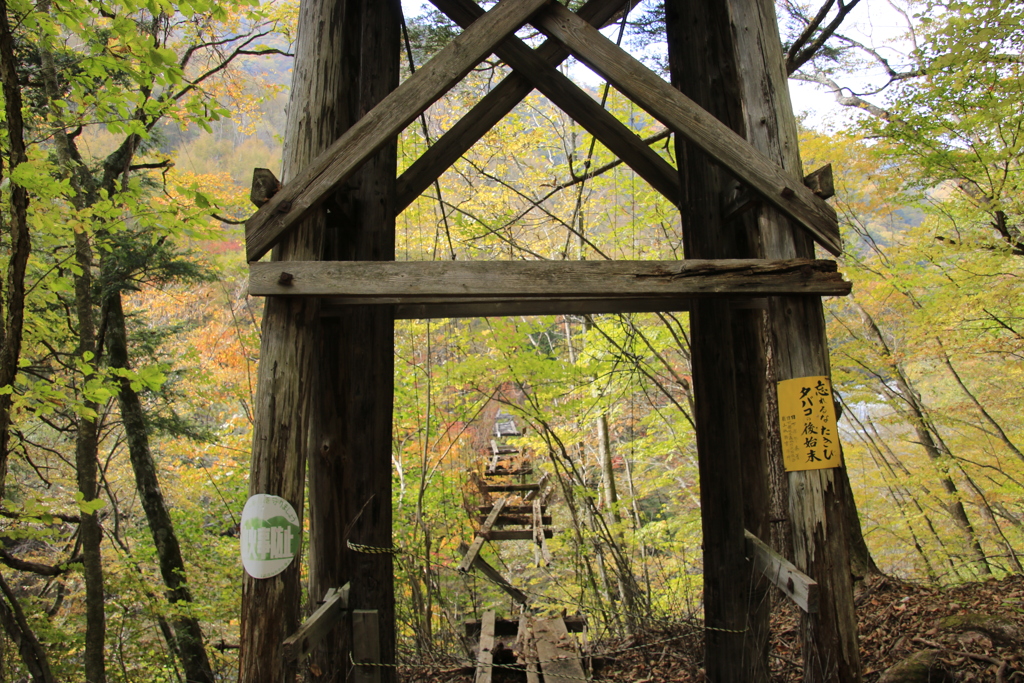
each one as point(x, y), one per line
point(807, 421)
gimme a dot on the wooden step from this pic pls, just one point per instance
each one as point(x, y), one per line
point(507, 520)
point(503, 472)
point(559, 661)
point(513, 509)
point(505, 425)
point(510, 627)
point(502, 448)
point(504, 488)
point(515, 534)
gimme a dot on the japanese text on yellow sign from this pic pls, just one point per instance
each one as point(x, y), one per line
point(807, 420)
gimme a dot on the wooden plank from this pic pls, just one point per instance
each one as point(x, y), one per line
point(540, 485)
point(381, 124)
point(495, 576)
point(528, 649)
point(493, 307)
point(481, 535)
point(540, 533)
point(407, 281)
point(681, 114)
point(484, 657)
point(503, 472)
point(515, 534)
point(513, 509)
point(505, 425)
point(502, 448)
point(574, 623)
point(579, 105)
point(491, 109)
point(821, 182)
point(559, 661)
point(801, 589)
point(506, 488)
point(366, 645)
point(521, 520)
point(318, 624)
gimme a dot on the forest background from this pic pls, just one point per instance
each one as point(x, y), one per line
point(129, 345)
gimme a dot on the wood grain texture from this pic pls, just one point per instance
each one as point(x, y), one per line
point(284, 405)
point(580, 106)
point(408, 281)
point(366, 645)
point(365, 137)
point(318, 624)
point(559, 661)
point(481, 535)
point(783, 190)
point(728, 357)
point(817, 498)
point(485, 655)
point(800, 588)
point(350, 475)
point(491, 109)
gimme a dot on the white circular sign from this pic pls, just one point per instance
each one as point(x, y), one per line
point(270, 535)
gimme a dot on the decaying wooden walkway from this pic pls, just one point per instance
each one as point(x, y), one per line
point(542, 646)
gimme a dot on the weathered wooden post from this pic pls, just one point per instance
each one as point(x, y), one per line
point(350, 464)
point(817, 510)
point(283, 416)
point(728, 360)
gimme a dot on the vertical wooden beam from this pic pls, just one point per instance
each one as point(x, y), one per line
point(288, 363)
point(728, 359)
point(817, 498)
point(366, 646)
point(350, 464)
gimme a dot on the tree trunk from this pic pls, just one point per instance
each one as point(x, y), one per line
point(350, 470)
point(817, 498)
point(20, 245)
point(14, 622)
point(87, 466)
point(728, 361)
point(287, 380)
point(188, 637)
point(914, 412)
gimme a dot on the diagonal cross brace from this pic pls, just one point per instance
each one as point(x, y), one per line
point(687, 118)
point(368, 135)
point(580, 106)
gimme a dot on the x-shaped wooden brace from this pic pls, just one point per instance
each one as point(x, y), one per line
point(490, 32)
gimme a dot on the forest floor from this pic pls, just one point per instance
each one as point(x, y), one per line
point(971, 632)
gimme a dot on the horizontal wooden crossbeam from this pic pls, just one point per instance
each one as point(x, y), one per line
point(687, 118)
point(368, 135)
point(516, 534)
point(510, 488)
point(411, 282)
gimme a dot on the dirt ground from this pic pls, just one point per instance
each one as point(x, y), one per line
point(972, 632)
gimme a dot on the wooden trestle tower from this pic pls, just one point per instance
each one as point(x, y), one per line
point(333, 287)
